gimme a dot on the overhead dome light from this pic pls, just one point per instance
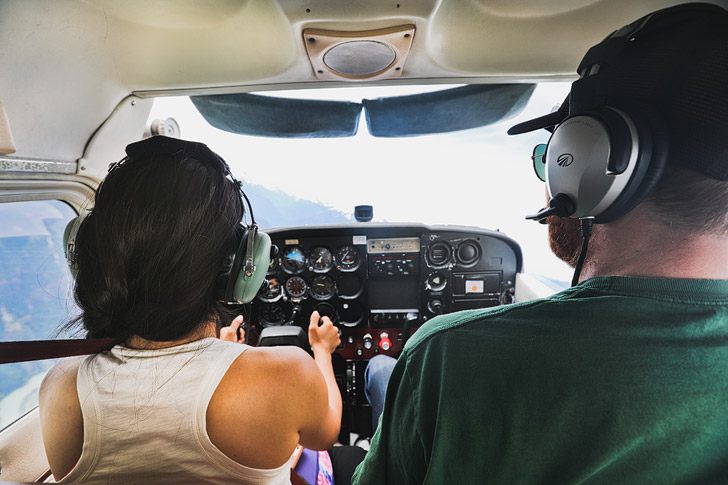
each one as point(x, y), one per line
point(353, 56)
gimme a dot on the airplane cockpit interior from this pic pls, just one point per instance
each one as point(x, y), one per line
point(370, 138)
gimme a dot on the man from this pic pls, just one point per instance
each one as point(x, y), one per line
point(623, 377)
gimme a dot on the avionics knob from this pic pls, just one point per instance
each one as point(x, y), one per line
point(367, 341)
point(384, 342)
point(436, 282)
point(435, 306)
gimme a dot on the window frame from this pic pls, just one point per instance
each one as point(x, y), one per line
point(75, 191)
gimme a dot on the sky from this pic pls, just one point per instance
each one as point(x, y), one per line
point(479, 177)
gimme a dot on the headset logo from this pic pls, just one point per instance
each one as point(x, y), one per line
point(565, 160)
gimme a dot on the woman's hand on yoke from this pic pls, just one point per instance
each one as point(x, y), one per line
point(323, 335)
point(231, 332)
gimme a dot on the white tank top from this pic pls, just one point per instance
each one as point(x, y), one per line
point(144, 417)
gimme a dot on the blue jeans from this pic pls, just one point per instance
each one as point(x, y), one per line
point(376, 378)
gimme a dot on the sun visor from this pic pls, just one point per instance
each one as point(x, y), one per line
point(444, 111)
point(251, 114)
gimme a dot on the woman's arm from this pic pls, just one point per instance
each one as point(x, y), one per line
point(324, 339)
point(272, 398)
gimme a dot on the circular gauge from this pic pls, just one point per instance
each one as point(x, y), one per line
point(348, 286)
point(327, 310)
point(436, 282)
point(347, 258)
point(322, 287)
point(439, 254)
point(271, 315)
point(350, 314)
point(321, 259)
point(273, 293)
point(296, 287)
point(293, 260)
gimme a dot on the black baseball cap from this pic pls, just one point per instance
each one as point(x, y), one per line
point(674, 63)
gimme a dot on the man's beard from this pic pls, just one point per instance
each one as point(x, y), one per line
point(565, 238)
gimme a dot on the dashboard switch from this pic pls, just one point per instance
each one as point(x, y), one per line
point(384, 342)
point(435, 306)
point(367, 341)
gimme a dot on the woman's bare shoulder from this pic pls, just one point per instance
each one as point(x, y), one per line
point(284, 365)
point(60, 415)
point(266, 392)
point(61, 378)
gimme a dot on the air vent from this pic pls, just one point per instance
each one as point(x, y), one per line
point(468, 253)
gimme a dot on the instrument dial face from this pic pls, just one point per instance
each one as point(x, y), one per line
point(348, 286)
point(322, 287)
point(347, 258)
point(293, 260)
point(296, 287)
point(327, 310)
point(321, 259)
point(271, 315)
point(274, 291)
point(439, 254)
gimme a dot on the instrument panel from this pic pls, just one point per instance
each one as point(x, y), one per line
point(379, 282)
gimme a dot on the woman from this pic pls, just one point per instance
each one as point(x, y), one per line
point(173, 402)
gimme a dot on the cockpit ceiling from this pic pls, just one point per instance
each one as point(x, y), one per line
point(144, 45)
point(68, 64)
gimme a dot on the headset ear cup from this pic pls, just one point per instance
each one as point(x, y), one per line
point(653, 145)
point(588, 160)
point(70, 233)
point(246, 287)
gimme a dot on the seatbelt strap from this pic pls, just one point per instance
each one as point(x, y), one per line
point(52, 349)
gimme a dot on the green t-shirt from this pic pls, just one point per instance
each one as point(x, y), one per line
point(615, 380)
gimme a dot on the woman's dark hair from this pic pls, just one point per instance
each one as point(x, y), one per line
point(165, 220)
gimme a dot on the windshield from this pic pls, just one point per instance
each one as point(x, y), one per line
point(478, 177)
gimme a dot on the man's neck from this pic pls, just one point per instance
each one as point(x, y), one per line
point(635, 247)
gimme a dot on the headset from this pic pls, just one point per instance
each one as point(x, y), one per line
point(601, 160)
point(243, 273)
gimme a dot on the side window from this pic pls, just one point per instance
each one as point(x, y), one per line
point(35, 293)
